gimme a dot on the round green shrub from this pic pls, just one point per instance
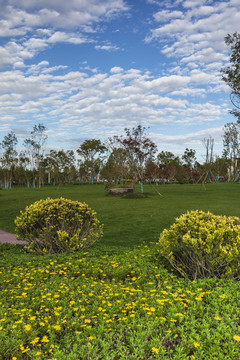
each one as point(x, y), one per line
point(57, 225)
point(200, 245)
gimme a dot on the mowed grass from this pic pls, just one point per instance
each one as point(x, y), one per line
point(117, 300)
point(129, 221)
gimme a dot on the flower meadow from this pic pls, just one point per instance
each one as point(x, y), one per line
point(112, 304)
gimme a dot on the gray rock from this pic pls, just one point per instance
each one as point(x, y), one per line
point(120, 191)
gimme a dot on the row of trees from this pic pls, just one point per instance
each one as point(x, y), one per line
point(129, 156)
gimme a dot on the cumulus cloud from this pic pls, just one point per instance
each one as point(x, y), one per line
point(17, 16)
point(93, 103)
point(165, 15)
point(37, 24)
point(196, 35)
point(77, 99)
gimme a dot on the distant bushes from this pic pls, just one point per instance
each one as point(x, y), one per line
point(57, 225)
point(200, 245)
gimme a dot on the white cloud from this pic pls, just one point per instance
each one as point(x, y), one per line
point(101, 103)
point(17, 18)
point(13, 53)
point(193, 139)
point(107, 47)
point(197, 34)
point(73, 38)
point(116, 70)
point(38, 24)
point(193, 3)
point(76, 99)
point(165, 15)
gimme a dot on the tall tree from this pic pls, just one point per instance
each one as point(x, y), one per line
point(170, 165)
point(231, 138)
point(91, 152)
point(24, 171)
point(220, 167)
point(59, 166)
point(139, 149)
point(116, 166)
point(9, 157)
point(231, 75)
point(167, 158)
point(35, 149)
point(189, 158)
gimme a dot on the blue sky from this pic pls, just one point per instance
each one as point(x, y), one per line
point(89, 68)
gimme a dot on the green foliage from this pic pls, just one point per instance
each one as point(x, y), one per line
point(110, 185)
point(127, 183)
point(231, 74)
point(202, 245)
point(98, 304)
point(116, 300)
point(57, 225)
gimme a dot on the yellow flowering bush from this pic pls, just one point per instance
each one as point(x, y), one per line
point(201, 244)
point(57, 225)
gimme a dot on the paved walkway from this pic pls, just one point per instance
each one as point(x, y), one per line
point(6, 237)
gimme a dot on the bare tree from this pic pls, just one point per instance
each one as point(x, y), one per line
point(207, 173)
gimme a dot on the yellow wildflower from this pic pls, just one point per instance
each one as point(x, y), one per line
point(34, 341)
point(155, 350)
point(236, 337)
point(45, 339)
point(196, 344)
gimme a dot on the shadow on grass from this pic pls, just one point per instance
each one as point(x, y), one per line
point(136, 196)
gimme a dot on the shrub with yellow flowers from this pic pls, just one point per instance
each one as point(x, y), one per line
point(201, 244)
point(57, 225)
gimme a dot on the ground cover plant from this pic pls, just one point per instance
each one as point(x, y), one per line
point(96, 305)
point(117, 299)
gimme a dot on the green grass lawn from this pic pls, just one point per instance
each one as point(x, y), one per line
point(129, 222)
point(116, 300)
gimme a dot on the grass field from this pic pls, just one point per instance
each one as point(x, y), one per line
point(129, 222)
point(116, 300)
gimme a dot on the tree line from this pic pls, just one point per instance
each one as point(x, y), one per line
point(130, 156)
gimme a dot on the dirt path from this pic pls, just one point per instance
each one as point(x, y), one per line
point(6, 237)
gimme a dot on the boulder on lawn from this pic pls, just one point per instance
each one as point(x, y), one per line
point(120, 191)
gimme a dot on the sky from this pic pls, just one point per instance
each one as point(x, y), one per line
point(90, 68)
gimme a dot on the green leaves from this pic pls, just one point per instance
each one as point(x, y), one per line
point(83, 305)
point(57, 225)
point(205, 244)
